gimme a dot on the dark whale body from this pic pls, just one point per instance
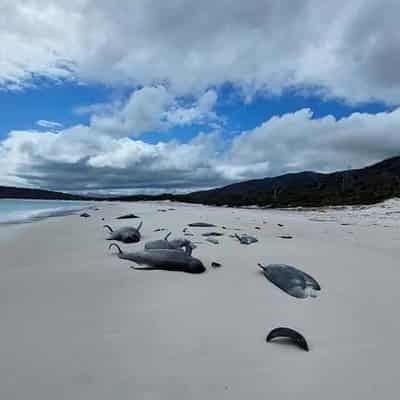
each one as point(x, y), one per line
point(163, 259)
point(246, 239)
point(291, 280)
point(127, 216)
point(295, 336)
point(175, 244)
point(126, 234)
point(201, 225)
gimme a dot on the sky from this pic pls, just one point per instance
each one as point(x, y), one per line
point(180, 95)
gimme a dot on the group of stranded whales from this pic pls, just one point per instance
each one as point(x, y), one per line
point(163, 254)
point(176, 255)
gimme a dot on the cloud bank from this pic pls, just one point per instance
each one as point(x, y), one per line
point(87, 158)
point(337, 48)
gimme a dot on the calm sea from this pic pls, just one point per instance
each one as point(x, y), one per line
point(21, 211)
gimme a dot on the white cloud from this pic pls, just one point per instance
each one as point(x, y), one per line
point(84, 158)
point(342, 48)
point(200, 112)
point(153, 109)
point(81, 158)
point(296, 142)
point(49, 124)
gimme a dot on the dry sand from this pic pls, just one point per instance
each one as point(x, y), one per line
point(78, 323)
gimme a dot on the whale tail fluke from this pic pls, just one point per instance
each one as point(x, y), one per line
point(261, 266)
point(108, 227)
point(115, 244)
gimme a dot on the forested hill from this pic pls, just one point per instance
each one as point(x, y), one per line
point(7, 192)
point(358, 186)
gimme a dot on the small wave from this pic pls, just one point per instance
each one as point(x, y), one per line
point(29, 216)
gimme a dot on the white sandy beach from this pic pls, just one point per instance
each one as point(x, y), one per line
point(78, 323)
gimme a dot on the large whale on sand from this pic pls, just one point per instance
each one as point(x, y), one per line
point(289, 333)
point(163, 259)
point(174, 244)
point(126, 234)
point(291, 280)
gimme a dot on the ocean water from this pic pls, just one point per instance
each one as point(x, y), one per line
point(23, 211)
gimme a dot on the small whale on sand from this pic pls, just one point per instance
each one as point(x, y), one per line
point(246, 239)
point(202, 225)
point(127, 216)
point(125, 234)
point(291, 280)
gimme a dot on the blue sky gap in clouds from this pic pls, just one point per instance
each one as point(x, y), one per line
point(253, 90)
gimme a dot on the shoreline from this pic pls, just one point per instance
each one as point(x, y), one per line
point(19, 217)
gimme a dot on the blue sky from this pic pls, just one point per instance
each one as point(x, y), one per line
point(61, 102)
point(95, 98)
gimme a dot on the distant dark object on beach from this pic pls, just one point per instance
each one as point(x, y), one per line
point(102, 219)
point(286, 237)
point(291, 280)
point(162, 210)
point(212, 234)
point(85, 215)
point(171, 209)
point(280, 225)
point(246, 239)
point(257, 227)
point(201, 225)
point(160, 229)
point(127, 216)
point(215, 264)
point(212, 240)
point(288, 333)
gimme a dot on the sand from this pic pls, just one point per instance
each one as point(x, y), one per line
point(78, 323)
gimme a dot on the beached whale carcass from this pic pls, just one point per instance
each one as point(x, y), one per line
point(126, 234)
point(291, 280)
point(163, 259)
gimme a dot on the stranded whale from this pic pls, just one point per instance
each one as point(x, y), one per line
point(125, 234)
point(291, 280)
point(163, 259)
